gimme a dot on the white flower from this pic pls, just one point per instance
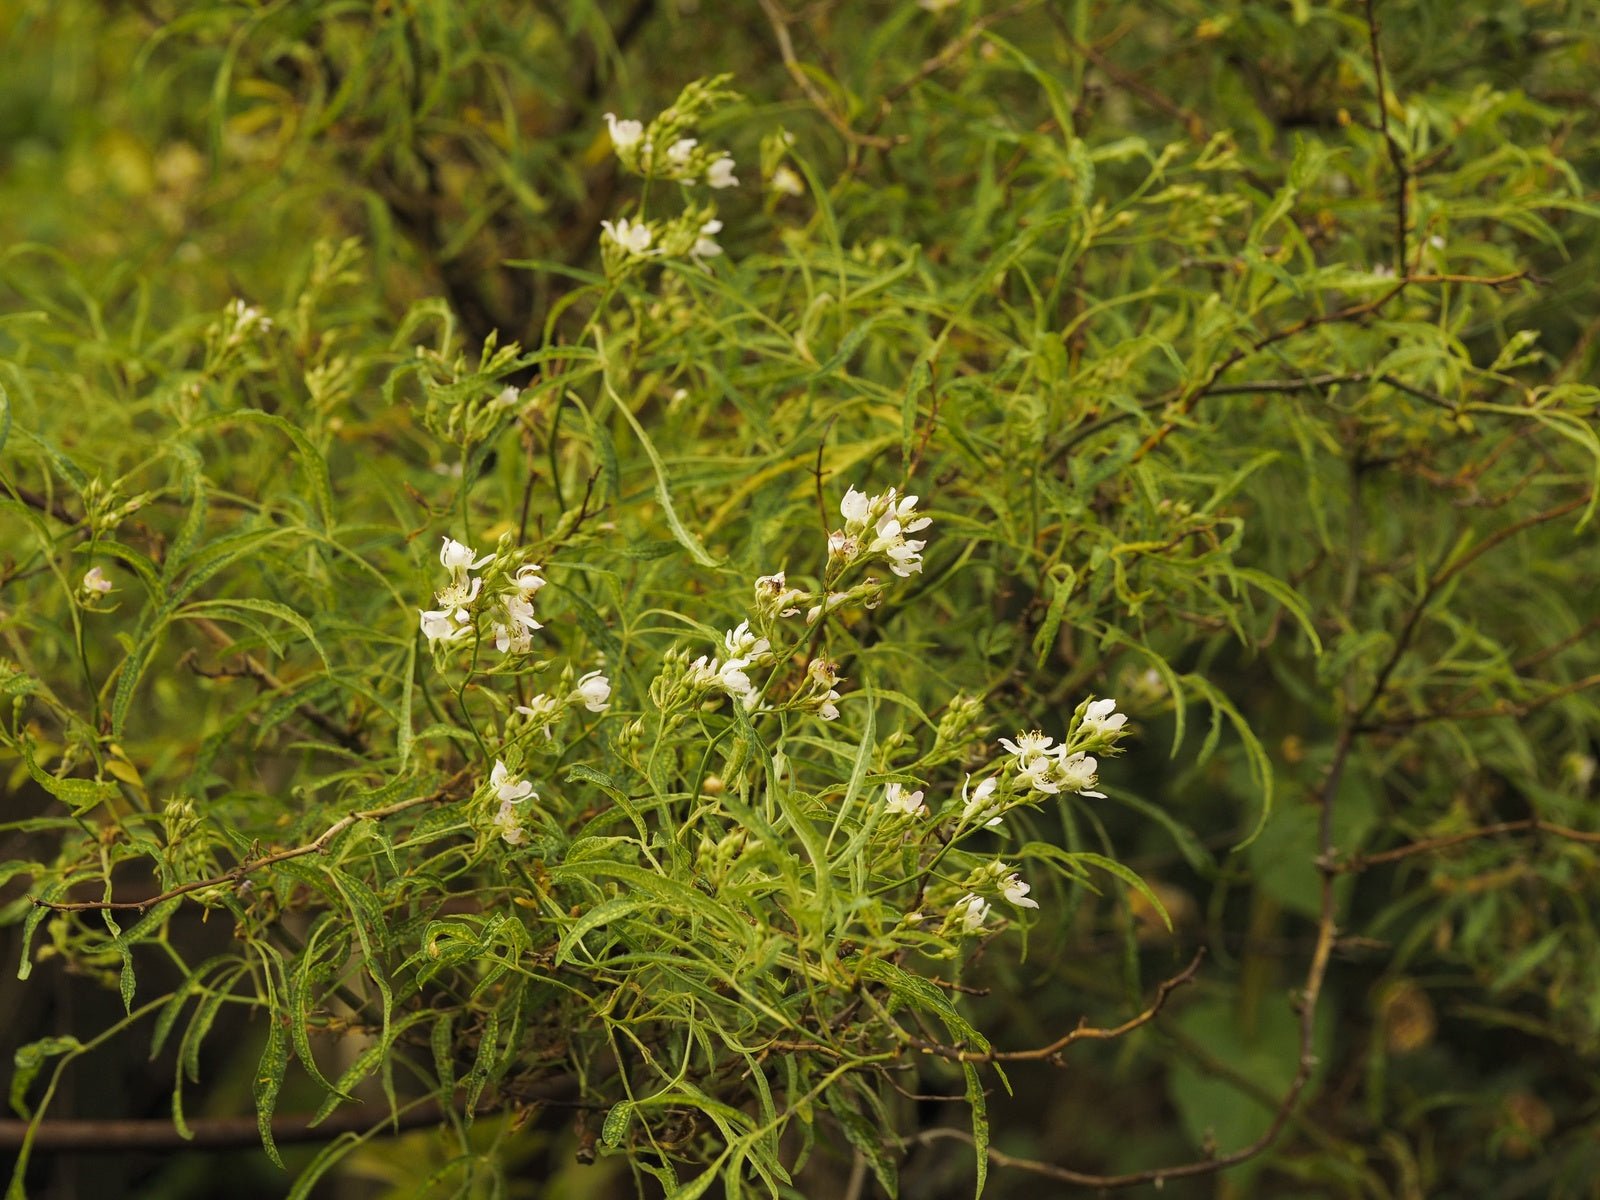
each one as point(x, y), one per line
point(1014, 890)
point(634, 237)
point(888, 518)
point(1077, 774)
point(95, 582)
point(678, 153)
point(463, 590)
point(740, 642)
point(905, 511)
point(1100, 719)
point(624, 133)
point(973, 805)
point(541, 710)
point(972, 911)
point(508, 789)
point(786, 183)
point(1038, 774)
point(457, 557)
point(594, 692)
point(720, 173)
point(829, 711)
point(509, 397)
point(245, 318)
point(732, 679)
point(1028, 745)
point(506, 823)
point(775, 596)
point(520, 610)
point(705, 246)
point(904, 555)
point(527, 580)
point(439, 626)
point(898, 800)
point(512, 639)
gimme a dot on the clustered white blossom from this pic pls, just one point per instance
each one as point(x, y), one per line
point(876, 527)
point(513, 622)
point(662, 150)
point(452, 620)
point(514, 635)
point(742, 649)
point(243, 320)
point(1052, 771)
point(683, 159)
point(510, 791)
point(1035, 767)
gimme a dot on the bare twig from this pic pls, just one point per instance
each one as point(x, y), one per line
point(112, 1136)
point(254, 668)
point(1397, 155)
point(797, 72)
point(1362, 862)
point(1501, 708)
point(316, 846)
point(51, 508)
point(938, 61)
point(1083, 1032)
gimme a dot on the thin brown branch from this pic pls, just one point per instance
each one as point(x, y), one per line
point(119, 1134)
point(316, 846)
point(1194, 124)
point(51, 508)
point(941, 59)
point(1362, 862)
point(1082, 1033)
point(1501, 708)
point(253, 668)
point(797, 72)
point(1397, 155)
point(116, 1135)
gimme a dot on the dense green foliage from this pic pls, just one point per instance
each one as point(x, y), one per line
point(1230, 361)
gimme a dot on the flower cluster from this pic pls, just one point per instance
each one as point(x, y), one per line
point(510, 791)
point(692, 235)
point(875, 527)
point(514, 635)
point(662, 151)
point(453, 620)
point(666, 149)
point(1044, 767)
point(742, 648)
point(592, 691)
point(243, 320)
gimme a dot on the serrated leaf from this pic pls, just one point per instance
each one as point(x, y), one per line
point(80, 795)
point(269, 1079)
point(616, 1124)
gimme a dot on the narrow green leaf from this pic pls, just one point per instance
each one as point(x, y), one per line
point(269, 1079)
